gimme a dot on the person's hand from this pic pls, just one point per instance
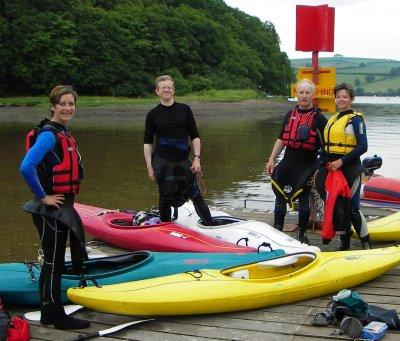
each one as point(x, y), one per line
point(53, 200)
point(150, 170)
point(195, 168)
point(335, 165)
point(270, 166)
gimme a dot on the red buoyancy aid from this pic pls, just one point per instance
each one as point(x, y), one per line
point(335, 186)
point(290, 137)
point(65, 176)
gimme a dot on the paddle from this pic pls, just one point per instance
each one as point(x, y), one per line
point(109, 330)
point(69, 309)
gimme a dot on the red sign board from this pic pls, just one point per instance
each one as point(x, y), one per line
point(315, 28)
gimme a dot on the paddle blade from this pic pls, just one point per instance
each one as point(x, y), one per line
point(121, 326)
point(69, 309)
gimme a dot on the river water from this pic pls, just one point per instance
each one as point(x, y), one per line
point(234, 151)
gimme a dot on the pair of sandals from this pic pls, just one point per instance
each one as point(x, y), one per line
point(350, 326)
point(339, 315)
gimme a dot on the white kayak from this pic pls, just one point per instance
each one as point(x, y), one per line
point(240, 231)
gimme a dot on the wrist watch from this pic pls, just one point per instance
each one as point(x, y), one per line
point(198, 156)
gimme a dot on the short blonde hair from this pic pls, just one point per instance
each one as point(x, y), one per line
point(164, 78)
point(306, 80)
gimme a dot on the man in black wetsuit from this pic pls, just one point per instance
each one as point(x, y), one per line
point(172, 123)
point(301, 135)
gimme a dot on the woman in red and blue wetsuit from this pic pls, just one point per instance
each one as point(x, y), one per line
point(345, 140)
point(52, 169)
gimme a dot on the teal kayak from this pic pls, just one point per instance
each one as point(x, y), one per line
point(20, 281)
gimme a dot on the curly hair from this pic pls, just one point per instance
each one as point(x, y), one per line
point(347, 87)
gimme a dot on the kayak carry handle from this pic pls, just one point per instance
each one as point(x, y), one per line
point(83, 282)
point(245, 239)
point(266, 245)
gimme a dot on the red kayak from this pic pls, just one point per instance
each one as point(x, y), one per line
point(382, 189)
point(116, 228)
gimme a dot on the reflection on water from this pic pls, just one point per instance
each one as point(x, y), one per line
point(376, 100)
point(233, 156)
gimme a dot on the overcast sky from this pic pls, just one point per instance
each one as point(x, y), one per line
point(363, 28)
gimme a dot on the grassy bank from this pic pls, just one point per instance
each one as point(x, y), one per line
point(233, 95)
point(368, 75)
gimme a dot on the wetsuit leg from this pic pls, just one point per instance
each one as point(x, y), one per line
point(279, 213)
point(304, 214)
point(357, 217)
point(165, 210)
point(202, 210)
point(53, 236)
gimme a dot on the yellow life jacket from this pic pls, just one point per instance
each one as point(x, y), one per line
point(335, 137)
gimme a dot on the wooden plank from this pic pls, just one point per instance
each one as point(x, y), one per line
point(284, 322)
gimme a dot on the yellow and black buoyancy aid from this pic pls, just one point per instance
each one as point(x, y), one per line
point(337, 141)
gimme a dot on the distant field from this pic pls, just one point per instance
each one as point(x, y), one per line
point(372, 76)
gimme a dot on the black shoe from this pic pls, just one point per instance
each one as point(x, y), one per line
point(366, 242)
point(344, 242)
point(68, 322)
point(46, 315)
point(351, 327)
point(302, 237)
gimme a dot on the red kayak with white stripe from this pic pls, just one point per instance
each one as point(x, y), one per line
point(116, 228)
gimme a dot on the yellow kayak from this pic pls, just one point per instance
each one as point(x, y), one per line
point(385, 229)
point(283, 280)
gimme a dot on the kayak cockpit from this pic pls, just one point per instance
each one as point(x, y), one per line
point(272, 268)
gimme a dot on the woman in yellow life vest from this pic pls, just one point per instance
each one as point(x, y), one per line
point(345, 140)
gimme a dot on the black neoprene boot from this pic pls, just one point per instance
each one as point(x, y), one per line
point(344, 242)
point(46, 315)
point(302, 237)
point(64, 321)
point(366, 242)
point(279, 227)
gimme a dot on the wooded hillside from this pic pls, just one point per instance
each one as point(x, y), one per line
point(118, 47)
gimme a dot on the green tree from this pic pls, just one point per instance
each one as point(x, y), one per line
point(357, 82)
point(4, 55)
point(369, 78)
point(117, 47)
point(395, 71)
point(359, 91)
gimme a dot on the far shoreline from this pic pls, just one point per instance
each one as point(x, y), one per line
point(252, 108)
point(203, 110)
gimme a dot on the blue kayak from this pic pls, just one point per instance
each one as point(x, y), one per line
point(20, 281)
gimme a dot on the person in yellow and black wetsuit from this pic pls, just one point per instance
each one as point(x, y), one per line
point(345, 141)
point(301, 134)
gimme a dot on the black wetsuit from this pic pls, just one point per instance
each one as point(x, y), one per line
point(172, 126)
point(295, 162)
point(53, 224)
